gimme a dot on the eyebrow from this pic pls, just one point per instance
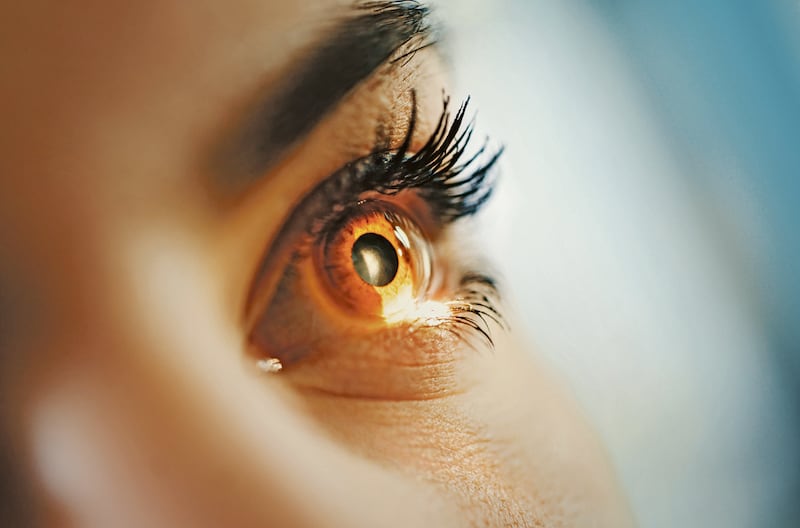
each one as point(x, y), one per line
point(357, 46)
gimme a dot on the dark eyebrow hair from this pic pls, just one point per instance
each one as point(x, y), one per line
point(355, 48)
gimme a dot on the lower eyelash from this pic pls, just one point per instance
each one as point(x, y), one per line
point(474, 309)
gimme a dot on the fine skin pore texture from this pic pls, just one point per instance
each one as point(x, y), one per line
point(148, 160)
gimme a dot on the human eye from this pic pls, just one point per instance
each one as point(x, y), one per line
point(368, 291)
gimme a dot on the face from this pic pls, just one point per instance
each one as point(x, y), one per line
point(239, 287)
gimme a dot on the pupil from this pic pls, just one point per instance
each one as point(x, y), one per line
point(375, 259)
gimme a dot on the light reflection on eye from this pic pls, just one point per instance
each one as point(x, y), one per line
point(377, 262)
point(375, 259)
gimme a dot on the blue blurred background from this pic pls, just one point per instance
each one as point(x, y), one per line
point(647, 226)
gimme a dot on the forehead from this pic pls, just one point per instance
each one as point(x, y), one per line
point(73, 71)
point(77, 38)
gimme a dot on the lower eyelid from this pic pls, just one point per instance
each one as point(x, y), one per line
point(398, 364)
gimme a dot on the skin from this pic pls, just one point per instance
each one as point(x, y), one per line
point(132, 398)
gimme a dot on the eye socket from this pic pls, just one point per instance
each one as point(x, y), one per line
point(350, 298)
point(376, 262)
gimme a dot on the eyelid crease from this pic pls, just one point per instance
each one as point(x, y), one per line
point(370, 38)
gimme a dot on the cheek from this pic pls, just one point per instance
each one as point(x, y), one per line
point(135, 408)
point(509, 448)
point(543, 444)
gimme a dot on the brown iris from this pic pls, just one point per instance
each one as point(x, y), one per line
point(371, 268)
point(377, 261)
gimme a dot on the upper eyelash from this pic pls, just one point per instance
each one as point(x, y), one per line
point(451, 187)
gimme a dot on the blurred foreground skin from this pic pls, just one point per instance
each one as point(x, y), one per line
point(128, 397)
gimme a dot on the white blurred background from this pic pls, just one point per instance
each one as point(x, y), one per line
point(651, 194)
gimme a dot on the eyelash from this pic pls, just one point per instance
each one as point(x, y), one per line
point(451, 188)
point(446, 186)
